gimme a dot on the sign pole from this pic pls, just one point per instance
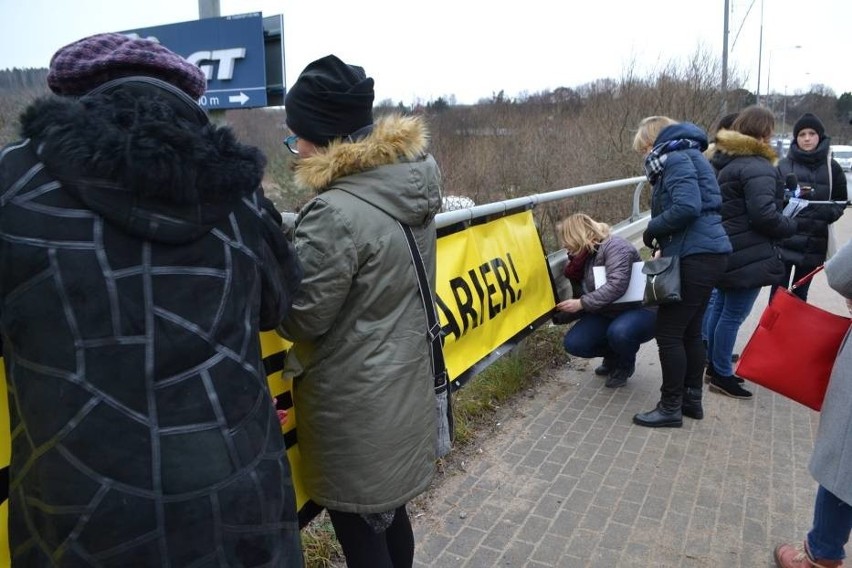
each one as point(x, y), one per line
point(211, 9)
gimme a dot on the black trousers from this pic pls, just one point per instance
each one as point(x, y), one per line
point(364, 548)
point(678, 330)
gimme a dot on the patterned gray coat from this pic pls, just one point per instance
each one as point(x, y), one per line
point(138, 262)
point(831, 462)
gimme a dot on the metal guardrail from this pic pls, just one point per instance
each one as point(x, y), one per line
point(630, 229)
point(471, 213)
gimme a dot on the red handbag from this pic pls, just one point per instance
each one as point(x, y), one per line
point(792, 351)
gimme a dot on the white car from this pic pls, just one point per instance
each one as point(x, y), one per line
point(843, 156)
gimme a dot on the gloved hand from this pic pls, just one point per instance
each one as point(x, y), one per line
point(648, 238)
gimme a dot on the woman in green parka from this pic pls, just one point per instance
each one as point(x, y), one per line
point(365, 400)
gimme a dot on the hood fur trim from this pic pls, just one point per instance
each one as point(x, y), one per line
point(141, 144)
point(735, 143)
point(394, 138)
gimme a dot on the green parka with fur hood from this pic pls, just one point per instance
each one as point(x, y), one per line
point(364, 401)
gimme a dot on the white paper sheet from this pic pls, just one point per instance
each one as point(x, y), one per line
point(636, 289)
point(794, 206)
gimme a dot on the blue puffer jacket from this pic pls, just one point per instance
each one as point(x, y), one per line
point(686, 201)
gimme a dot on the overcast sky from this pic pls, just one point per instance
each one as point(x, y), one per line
point(474, 48)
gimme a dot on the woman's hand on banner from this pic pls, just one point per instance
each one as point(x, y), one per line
point(571, 306)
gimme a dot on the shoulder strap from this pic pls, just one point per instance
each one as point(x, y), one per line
point(439, 366)
point(830, 180)
point(436, 348)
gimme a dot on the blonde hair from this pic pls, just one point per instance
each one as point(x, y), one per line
point(649, 129)
point(579, 231)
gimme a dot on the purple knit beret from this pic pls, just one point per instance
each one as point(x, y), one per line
point(85, 64)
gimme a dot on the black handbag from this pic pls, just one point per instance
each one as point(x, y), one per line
point(662, 280)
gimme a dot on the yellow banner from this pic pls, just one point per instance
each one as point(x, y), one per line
point(492, 283)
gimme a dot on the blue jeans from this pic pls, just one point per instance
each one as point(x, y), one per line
point(832, 523)
point(705, 323)
point(616, 338)
point(729, 310)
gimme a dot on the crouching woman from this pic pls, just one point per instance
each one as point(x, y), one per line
point(605, 328)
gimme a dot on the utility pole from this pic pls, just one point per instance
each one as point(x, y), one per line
point(725, 61)
point(760, 52)
point(209, 9)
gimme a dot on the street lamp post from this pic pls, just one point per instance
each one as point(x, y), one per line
point(768, 87)
point(769, 66)
point(760, 52)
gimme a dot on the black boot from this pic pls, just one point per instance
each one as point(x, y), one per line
point(709, 371)
point(618, 377)
point(692, 403)
point(605, 368)
point(667, 414)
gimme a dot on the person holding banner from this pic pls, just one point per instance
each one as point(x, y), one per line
point(364, 399)
point(685, 222)
point(139, 261)
point(609, 325)
point(831, 461)
point(820, 180)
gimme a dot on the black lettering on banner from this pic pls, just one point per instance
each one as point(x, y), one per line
point(452, 327)
point(490, 288)
point(514, 273)
point(481, 281)
point(502, 274)
point(274, 363)
point(479, 292)
point(4, 484)
point(465, 307)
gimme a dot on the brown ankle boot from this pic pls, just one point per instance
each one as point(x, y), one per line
point(798, 556)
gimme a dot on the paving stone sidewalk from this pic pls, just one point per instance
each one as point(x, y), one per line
point(569, 481)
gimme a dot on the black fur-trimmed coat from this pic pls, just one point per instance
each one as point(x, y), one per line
point(752, 198)
point(138, 262)
point(808, 246)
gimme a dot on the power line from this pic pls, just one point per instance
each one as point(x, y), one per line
point(742, 23)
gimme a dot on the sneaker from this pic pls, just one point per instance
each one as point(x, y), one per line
point(729, 386)
point(605, 368)
point(798, 556)
point(618, 378)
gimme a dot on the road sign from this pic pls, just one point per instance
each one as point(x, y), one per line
point(230, 51)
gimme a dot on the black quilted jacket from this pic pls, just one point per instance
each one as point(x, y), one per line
point(808, 246)
point(138, 261)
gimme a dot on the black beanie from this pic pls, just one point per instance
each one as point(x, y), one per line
point(809, 120)
point(329, 100)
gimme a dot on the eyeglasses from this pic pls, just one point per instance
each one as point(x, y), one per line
point(291, 143)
